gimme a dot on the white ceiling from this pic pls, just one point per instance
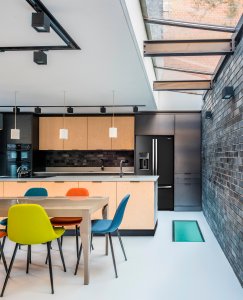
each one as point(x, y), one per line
point(108, 59)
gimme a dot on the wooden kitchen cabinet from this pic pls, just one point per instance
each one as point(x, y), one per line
point(125, 134)
point(49, 133)
point(98, 133)
point(58, 188)
point(1, 189)
point(102, 188)
point(140, 210)
point(18, 188)
point(77, 133)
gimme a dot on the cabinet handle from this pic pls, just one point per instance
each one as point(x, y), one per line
point(97, 181)
point(134, 181)
point(21, 181)
point(58, 181)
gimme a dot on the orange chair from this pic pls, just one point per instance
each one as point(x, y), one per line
point(71, 221)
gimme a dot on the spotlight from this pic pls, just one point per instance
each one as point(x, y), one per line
point(135, 109)
point(17, 110)
point(103, 110)
point(40, 58)
point(37, 110)
point(70, 110)
point(40, 22)
point(208, 115)
point(227, 92)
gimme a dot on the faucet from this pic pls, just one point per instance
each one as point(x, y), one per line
point(102, 164)
point(22, 170)
point(121, 163)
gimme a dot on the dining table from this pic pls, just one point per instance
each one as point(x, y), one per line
point(68, 206)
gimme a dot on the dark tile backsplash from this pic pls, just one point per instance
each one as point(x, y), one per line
point(85, 158)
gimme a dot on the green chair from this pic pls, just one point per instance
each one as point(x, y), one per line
point(29, 224)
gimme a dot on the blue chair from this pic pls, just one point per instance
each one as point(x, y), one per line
point(108, 227)
point(36, 192)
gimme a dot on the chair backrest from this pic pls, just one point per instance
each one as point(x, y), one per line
point(36, 192)
point(29, 224)
point(119, 214)
point(77, 192)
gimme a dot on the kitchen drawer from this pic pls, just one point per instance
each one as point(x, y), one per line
point(187, 196)
point(187, 178)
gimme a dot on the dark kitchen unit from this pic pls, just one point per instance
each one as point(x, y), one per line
point(155, 156)
point(19, 158)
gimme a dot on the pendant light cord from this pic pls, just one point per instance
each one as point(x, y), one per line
point(64, 105)
point(113, 95)
point(15, 111)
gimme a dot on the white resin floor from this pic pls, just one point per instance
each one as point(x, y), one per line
point(157, 269)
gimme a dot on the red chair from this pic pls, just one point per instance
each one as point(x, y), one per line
point(71, 221)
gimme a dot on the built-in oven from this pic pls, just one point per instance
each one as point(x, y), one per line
point(19, 158)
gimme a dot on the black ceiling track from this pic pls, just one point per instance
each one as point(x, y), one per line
point(38, 6)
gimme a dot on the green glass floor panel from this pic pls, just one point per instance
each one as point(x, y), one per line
point(186, 231)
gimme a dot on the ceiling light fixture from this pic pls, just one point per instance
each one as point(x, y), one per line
point(70, 110)
point(113, 129)
point(37, 110)
point(228, 92)
point(15, 133)
point(63, 132)
point(103, 110)
point(40, 58)
point(135, 109)
point(40, 22)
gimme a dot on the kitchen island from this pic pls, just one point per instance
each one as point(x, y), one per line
point(141, 213)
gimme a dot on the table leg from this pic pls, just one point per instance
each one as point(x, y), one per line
point(85, 234)
point(105, 215)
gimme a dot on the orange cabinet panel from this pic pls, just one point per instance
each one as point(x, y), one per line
point(98, 133)
point(139, 213)
point(1, 189)
point(58, 188)
point(125, 134)
point(18, 188)
point(77, 133)
point(49, 133)
point(98, 188)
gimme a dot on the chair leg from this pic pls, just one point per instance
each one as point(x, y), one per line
point(106, 245)
point(47, 255)
point(120, 240)
point(50, 265)
point(4, 239)
point(92, 246)
point(28, 258)
point(61, 253)
point(9, 270)
point(77, 243)
point(113, 255)
point(3, 256)
point(78, 260)
point(61, 240)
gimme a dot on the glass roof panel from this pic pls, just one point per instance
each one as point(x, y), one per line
point(214, 12)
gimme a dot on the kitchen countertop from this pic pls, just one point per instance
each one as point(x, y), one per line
point(85, 178)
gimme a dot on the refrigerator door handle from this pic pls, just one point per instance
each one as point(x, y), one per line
point(165, 187)
point(152, 156)
point(156, 156)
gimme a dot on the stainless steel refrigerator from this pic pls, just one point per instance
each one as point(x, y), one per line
point(155, 156)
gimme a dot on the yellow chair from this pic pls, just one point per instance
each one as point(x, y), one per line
point(29, 224)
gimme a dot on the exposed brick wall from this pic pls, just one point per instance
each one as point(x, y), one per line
point(222, 162)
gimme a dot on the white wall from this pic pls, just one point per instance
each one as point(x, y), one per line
point(133, 11)
point(179, 101)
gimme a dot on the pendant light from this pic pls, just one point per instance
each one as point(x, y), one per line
point(113, 129)
point(15, 133)
point(63, 132)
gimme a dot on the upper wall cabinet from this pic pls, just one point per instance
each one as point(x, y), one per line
point(86, 133)
point(28, 125)
point(49, 133)
point(125, 134)
point(77, 133)
point(98, 133)
point(155, 124)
